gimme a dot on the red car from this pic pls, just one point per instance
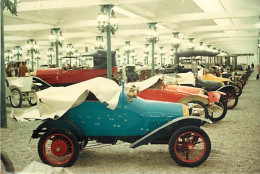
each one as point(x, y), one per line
point(214, 107)
point(65, 77)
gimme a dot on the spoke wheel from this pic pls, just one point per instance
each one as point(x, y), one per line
point(238, 89)
point(220, 113)
point(16, 98)
point(189, 146)
point(58, 147)
point(33, 97)
point(231, 98)
point(197, 108)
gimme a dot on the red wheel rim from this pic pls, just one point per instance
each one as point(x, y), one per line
point(190, 147)
point(58, 149)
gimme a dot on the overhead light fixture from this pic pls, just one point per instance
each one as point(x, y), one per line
point(31, 47)
point(56, 38)
point(17, 51)
point(201, 47)
point(99, 44)
point(191, 45)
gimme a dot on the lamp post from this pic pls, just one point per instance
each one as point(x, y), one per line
point(107, 23)
point(60, 58)
point(176, 43)
point(56, 39)
point(50, 54)
point(17, 51)
point(32, 47)
point(8, 55)
point(133, 55)
point(37, 57)
point(146, 52)
point(172, 55)
point(77, 54)
point(99, 44)
point(70, 50)
point(162, 53)
point(152, 37)
point(127, 49)
point(191, 45)
point(12, 7)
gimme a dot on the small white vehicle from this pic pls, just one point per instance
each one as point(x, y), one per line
point(20, 89)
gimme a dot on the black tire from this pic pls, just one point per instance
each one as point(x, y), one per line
point(83, 144)
point(215, 116)
point(238, 89)
point(8, 165)
point(63, 145)
point(7, 83)
point(230, 98)
point(33, 100)
point(199, 104)
point(16, 102)
point(185, 140)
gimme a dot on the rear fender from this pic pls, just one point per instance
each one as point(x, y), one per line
point(58, 124)
point(214, 96)
point(194, 97)
point(168, 128)
point(226, 88)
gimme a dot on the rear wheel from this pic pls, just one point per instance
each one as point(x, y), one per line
point(33, 96)
point(16, 98)
point(189, 146)
point(230, 98)
point(58, 148)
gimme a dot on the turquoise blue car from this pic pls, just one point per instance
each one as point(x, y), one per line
point(134, 120)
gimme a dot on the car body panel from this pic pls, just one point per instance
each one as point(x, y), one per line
point(128, 119)
point(214, 78)
point(60, 77)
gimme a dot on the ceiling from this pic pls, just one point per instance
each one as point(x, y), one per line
point(229, 25)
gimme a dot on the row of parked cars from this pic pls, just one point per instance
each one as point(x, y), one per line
point(160, 110)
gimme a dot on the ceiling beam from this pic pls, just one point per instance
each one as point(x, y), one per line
point(204, 16)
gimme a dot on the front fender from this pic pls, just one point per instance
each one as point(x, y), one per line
point(167, 129)
point(226, 88)
point(194, 97)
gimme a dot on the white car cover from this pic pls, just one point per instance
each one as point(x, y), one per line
point(186, 78)
point(146, 83)
point(55, 101)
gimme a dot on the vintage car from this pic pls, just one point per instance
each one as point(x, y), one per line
point(97, 113)
point(200, 103)
point(226, 81)
point(131, 73)
point(65, 77)
point(22, 89)
point(188, 79)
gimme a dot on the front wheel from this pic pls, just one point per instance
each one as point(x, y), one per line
point(189, 146)
point(197, 108)
point(58, 148)
point(16, 98)
point(219, 110)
